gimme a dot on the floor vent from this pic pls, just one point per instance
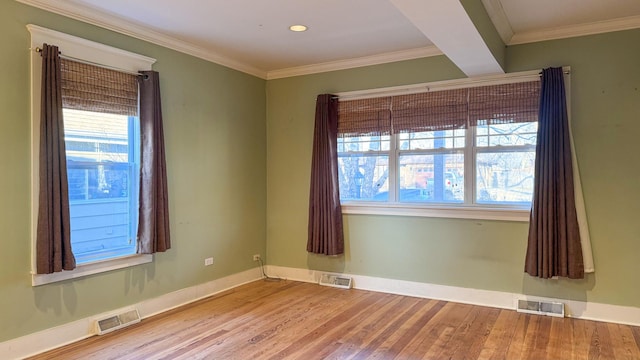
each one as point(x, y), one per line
point(339, 281)
point(116, 322)
point(541, 308)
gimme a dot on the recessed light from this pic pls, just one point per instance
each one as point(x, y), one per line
point(298, 28)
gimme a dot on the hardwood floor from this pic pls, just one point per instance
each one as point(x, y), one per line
point(293, 320)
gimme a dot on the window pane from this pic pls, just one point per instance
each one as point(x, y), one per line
point(364, 177)
point(505, 177)
point(101, 163)
point(432, 178)
point(363, 144)
point(507, 134)
point(97, 180)
point(445, 139)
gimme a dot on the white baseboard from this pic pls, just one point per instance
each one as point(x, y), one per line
point(52, 338)
point(627, 315)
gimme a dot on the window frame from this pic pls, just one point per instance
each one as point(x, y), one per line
point(94, 53)
point(132, 166)
point(496, 149)
point(468, 209)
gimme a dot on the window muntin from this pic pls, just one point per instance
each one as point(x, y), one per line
point(444, 139)
point(514, 134)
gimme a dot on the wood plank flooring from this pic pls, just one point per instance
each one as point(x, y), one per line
point(293, 320)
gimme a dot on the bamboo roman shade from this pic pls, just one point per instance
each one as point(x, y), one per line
point(364, 117)
point(505, 103)
point(430, 111)
point(440, 110)
point(93, 88)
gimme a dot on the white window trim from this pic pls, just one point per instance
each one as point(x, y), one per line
point(91, 52)
point(500, 79)
point(90, 268)
point(462, 211)
point(438, 211)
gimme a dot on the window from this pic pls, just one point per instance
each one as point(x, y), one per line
point(102, 147)
point(467, 147)
point(102, 164)
point(504, 163)
point(102, 141)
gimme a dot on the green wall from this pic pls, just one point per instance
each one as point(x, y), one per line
point(476, 253)
point(214, 122)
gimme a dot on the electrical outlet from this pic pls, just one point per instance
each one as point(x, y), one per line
point(208, 261)
point(256, 257)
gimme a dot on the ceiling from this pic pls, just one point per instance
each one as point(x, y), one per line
point(253, 36)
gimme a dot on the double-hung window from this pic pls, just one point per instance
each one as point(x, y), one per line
point(102, 141)
point(457, 148)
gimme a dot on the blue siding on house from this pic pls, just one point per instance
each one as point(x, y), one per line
point(100, 228)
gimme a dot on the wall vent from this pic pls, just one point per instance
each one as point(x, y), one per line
point(548, 308)
point(339, 281)
point(115, 322)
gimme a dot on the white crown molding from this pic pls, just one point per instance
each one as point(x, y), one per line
point(499, 19)
point(68, 333)
point(494, 9)
point(355, 62)
point(113, 23)
point(598, 27)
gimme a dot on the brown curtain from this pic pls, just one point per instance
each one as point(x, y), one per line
point(554, 239)
point(53, 240)
point(325, 214)
point(153, 223)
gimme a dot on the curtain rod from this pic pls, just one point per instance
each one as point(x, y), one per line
point(522, 76)
point(39, 50)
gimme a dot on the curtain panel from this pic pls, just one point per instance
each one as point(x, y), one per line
point(153, 223)
point(53, 235)
point(554, 244)
point(325, 234)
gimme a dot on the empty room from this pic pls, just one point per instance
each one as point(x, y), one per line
point(446, 179)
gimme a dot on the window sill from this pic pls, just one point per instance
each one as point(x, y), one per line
point(91, 269)
point(440, 211)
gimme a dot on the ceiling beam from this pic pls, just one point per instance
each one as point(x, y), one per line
point(449, 26)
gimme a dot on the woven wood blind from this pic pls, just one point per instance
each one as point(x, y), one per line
point(93, 88)
point(440, 110)
point(503, 104)
point(364, 117)
point(430, 111)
